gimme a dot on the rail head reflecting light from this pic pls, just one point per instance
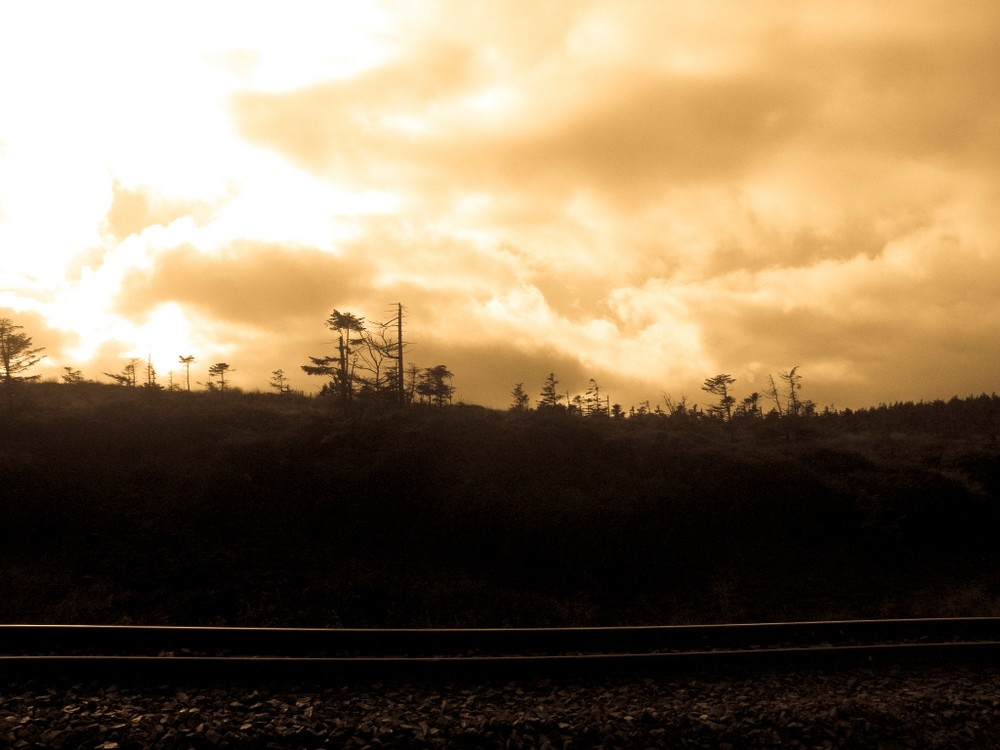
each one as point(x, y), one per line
point(199, 654)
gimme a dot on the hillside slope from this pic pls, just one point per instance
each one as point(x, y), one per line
point(182, 508)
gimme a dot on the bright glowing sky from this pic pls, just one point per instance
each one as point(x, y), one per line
point(646, 193)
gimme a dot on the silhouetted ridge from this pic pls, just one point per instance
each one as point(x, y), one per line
point(190, 508)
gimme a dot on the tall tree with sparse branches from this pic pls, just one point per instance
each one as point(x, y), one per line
point(339, 369)
point(794, 382)
point(346, 324)
point(186, 361)
point(594, 402)
point(17, 354)
point(375, 360)
point(772, 391)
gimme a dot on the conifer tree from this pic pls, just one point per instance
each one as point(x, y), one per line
point(16, 356)
point(520, 402)
point(219, 370)
point(549, 395)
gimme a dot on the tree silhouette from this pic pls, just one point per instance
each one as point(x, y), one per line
point(73, 377)
point(749, 406)
point(345, 324)
point(375, 354)
point(121, 379)
point(367, 362)
point(412, 379)
point(151, 375)
point(676, 408)
point(794, 381)
point(219, 370)
point(772, 391)
point(16, 356)
point(434, 385)
point(719, 386)
point(520, 402)
point(127, 376)
point(339, 369)
point(594, 404)
point(279, 382)
point(549, 397)
point(186, 361)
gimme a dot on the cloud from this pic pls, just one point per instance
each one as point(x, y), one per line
point(134, 209)
point(897, 324)
point(635, 133)
point(342, 125)
point(659, 131)
point(247, 283)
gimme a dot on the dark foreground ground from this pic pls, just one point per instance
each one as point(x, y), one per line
point(120, 506)
point(915, 707)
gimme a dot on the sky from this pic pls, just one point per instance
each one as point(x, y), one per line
point(643, 193)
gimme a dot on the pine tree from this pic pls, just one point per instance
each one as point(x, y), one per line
point(520, 402)
point(219, 370)
point(549, 395)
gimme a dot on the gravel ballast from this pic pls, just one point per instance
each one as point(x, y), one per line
point(891, 707)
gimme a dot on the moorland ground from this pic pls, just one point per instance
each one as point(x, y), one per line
point(128, 505)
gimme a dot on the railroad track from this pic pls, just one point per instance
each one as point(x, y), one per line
point(169, 654)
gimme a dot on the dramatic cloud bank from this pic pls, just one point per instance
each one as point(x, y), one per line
point(641, 193)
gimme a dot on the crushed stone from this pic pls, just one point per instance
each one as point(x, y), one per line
point(891, 707)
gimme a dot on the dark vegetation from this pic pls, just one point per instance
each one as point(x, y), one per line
point(147, 506)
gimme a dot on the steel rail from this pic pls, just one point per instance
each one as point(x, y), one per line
point(214, 669)
point(164, 654)
point(129, 639)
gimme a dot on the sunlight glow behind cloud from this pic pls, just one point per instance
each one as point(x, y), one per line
point(639, 193)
